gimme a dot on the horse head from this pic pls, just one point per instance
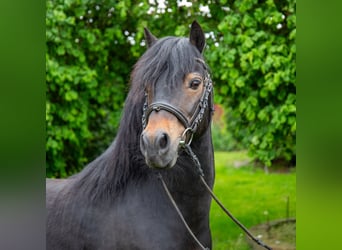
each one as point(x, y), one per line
point(177, 89)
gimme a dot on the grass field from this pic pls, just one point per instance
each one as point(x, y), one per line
point(251, 195)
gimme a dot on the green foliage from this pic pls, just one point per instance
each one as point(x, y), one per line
point(223, 139)
point(85, 87)
point(92, 46)
point(256, 53)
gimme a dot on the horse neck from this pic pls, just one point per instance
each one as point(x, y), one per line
point(203, 149)
point(185, 185)
point(184, 178)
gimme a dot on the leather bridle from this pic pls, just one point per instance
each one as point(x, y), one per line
point(190, 125)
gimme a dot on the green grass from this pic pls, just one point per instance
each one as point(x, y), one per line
point(248, 193)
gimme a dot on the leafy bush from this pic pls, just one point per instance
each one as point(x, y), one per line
point(85, 86)
point(92, 46)
point(256, 77)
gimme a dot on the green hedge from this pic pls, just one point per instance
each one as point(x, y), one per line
point(93, 45)
point(86, 82)
point(256, 76)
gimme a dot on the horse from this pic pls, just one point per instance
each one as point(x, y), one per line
point(117, 201)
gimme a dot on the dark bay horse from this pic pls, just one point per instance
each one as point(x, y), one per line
point(116, 201)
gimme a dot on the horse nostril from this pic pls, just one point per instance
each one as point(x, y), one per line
point(163, 141)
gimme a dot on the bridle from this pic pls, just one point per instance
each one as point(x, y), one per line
point(191, 126)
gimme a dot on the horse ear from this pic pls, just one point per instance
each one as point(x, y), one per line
point(197, 37)
point(150, 39)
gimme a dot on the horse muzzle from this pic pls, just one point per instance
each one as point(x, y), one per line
point(158, 150)
point(159, 142)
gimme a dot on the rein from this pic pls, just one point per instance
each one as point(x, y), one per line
point(194, 158)
point(191, 127)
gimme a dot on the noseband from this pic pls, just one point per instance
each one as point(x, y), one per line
point(190, 125)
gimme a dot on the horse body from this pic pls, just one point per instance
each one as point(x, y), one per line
point(139, 217)
point(117, 202)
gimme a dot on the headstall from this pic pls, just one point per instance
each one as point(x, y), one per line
point(191, 124)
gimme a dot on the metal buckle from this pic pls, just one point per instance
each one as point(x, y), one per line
point(182, 141)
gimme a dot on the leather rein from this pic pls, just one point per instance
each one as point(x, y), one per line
point(191, 127)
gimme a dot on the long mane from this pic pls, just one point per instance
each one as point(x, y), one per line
point(169, 59)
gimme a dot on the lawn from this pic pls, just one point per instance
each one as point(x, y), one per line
point(251, 195)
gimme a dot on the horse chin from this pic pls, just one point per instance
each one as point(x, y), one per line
point(161, 161)
point(158, 162)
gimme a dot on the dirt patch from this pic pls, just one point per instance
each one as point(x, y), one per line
point(278, 234)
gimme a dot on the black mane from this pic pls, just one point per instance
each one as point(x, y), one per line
point(168, 60)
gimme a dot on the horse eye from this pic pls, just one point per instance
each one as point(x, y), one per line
point(195, 83)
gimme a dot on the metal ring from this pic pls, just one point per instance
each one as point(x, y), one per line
point(182, 141)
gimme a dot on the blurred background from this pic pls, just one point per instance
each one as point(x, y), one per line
point(91, 47)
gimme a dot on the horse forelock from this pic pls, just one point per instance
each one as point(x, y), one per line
point(166, 62)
